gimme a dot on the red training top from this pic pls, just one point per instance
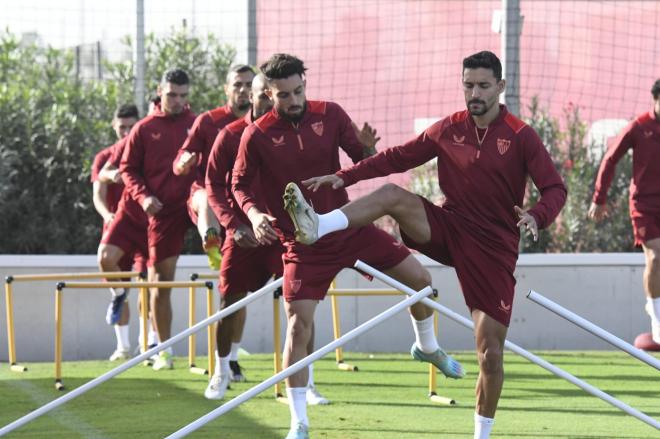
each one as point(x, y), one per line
point(114, 189)
point(146, 166)
point(218, 175)
point(643, 136)
point(201, 137)
point(127, 204)
point(481, 183)
point(282, 152)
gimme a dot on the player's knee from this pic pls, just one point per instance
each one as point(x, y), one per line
point(653, 260)
point(491, 360)
point(106, 259)
point(299, 329)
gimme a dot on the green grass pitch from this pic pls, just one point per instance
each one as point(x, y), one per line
point(387, 398)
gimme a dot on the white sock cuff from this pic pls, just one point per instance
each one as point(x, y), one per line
point(332, 222)
point(483, 420)
point(423, 324)
point(654, 308)
point(233, 354)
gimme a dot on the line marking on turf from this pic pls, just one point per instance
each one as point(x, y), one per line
point(61, 415)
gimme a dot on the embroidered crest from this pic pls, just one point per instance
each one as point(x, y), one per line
point(318, 128)
point(503, 145)
point(278, 141)
point(295, 285)
point(459, 139)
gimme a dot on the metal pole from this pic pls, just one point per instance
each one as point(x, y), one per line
point(138, 57)
point(137, 360)
point(252, 32)
point(595, 391)
point(301, 364)
point(595, 330)
point(510, 42)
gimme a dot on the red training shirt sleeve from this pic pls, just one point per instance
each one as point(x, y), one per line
point(248, 162)
point(194, 143)
point(348, 140)
point(131, 167)
point(218, 180)
point(615, 152)
point(545, 178)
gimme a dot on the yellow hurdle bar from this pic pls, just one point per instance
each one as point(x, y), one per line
point(192, 344)
point(277, 346)
point(99, 285)
point(210, 332)
point(144, 312)
point(9, 304)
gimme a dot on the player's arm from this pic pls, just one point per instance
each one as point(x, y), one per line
point(218, 182)
point(109, 174)
point(548, 182)
point(625, 141)
point(390, 161)
point(190, 152)
point(100, 199)
point(248, 163)
point(132, 162)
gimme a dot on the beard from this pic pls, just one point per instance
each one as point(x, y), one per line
point(294, 118)
point(480, 111)
point(244, 107)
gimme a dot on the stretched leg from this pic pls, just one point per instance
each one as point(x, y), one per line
point(652, 284)
point(490, 335)
point(161, 306)
point(300, 318)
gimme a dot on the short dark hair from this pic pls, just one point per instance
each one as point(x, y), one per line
point(281, 66)
point(175, 76)
point(239, 68)
point(655, 90)
point(486, 60)
point(127, 110)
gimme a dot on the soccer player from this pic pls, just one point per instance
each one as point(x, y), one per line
point(146, 168)
point(485, 155)
point(297, 140)
point(642, 135)
point(195, 153)
point(107, 194)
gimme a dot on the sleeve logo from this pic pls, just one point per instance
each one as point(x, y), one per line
point(503, 146)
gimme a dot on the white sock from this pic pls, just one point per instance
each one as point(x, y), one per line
point(117, 291)
point(233, 354)
point(482, 426)
point(310, 371)
point(654, 308)
point(123, 341)
point(221, 366)
point(331, 222)
point(425, 334)
point(297, 405)
point(168, 350)
point(152, 337)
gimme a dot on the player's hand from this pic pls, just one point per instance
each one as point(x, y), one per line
point(262, 228)
point(244, 237)
point(186, 162)
point(152, 205)
point(528, 221)
point(115, 176)
point(598, 211)
point(313, 184)
point(367, 137)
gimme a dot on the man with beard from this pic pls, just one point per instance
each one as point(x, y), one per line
point(485, 155)
point(195, 154)
point(146, 168)
point(297, 140)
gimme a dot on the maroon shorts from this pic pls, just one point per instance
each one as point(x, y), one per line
point(131, 237)
point(165, 234)
point(485, 274)
point(645, 227)
point(248, 269)
point(309, 270)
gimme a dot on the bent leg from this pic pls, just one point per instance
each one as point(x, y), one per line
point(205, 217)
point(490, 335)
point(652, 268)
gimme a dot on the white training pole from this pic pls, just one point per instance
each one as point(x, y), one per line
point(140, 358)
point(299, 365)
point(594, 329)
point(515, 348)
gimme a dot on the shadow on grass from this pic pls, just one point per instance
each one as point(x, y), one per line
point(123, 408)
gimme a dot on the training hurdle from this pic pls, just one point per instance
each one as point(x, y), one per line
point(140, 358)
point(335, 292)
point(299, 365)
point(210, 339)
point(585, 324)
point(595, 391)
point(9, 304)
point(102, 285)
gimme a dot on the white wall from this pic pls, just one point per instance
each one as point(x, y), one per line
point(604, 288)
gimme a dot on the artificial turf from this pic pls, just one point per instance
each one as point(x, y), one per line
point(386, 398)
